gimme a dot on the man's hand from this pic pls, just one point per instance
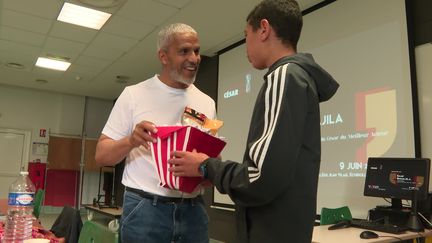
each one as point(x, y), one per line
point(141, 135)
point(186, 163)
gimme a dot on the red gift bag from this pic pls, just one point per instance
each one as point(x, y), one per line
point(181, 138)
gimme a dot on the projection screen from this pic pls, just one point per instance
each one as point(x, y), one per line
point(364, 45)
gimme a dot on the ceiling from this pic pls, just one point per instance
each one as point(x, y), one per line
point(125, 46)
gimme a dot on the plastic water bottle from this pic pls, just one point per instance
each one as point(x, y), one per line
point(19, 219)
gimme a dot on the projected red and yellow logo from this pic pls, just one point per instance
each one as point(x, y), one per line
point(377, 115)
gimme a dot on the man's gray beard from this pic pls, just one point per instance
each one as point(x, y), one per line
point(177, 77)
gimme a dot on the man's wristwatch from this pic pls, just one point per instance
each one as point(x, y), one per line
point(203, 169)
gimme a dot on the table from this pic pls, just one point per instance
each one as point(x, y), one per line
point(110, 212)
point(3, 206)
point(321, 234)
point(41, 232)
point(109, 216)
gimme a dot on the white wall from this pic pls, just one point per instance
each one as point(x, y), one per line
point(29, 109)
point(34, 110)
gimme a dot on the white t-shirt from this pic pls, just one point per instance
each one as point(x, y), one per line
point(153, 101)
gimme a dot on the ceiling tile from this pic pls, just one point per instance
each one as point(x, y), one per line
point(48, 9)
point(177, 3)
point(83, 70)
point(92, 62)
point(27, 57)
point(128, 28)
point(27, 61)
point(109, 46)
point(9, 46)
point(45, 73)
point(103, 53)
point(63, 48)
point(25, 21)
point(76, 77)
point(107, 6)
point(113, 41)
point(147, 11)
point(17, 35)
point(72, 32)
point(15, 77)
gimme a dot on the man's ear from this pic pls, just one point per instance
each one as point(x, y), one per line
point(163, 57)
point(264, 30)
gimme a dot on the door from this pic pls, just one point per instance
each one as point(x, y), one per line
point(14, 155)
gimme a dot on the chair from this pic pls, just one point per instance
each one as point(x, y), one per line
point(93, 232)
point(38, 202)
point(68, 224)
point(334, 215)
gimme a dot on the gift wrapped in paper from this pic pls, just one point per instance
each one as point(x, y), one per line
point(181, 138)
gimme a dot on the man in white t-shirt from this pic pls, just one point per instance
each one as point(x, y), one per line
point(152, 213)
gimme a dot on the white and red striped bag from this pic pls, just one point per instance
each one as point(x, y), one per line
point(181, 138)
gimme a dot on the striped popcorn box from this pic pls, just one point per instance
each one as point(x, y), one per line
point(181, 138)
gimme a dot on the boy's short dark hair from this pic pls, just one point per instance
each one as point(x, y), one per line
point(283, 15)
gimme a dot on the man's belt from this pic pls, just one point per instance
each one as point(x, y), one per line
point(163, 199)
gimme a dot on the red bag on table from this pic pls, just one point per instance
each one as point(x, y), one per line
point(181, 138)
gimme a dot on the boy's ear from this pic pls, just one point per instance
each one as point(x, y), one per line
point(264, 30)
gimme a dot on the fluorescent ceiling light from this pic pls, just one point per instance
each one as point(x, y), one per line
point(52, 64)
point(87, 17)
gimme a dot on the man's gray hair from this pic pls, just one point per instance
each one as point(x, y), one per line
point(166, 33)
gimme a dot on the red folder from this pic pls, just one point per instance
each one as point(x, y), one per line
point(181, 138)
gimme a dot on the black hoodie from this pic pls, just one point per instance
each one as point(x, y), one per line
point(275, 187)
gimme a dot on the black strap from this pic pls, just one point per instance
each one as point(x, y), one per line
point(163, 199)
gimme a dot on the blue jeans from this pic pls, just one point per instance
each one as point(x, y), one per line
point(146, 220)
